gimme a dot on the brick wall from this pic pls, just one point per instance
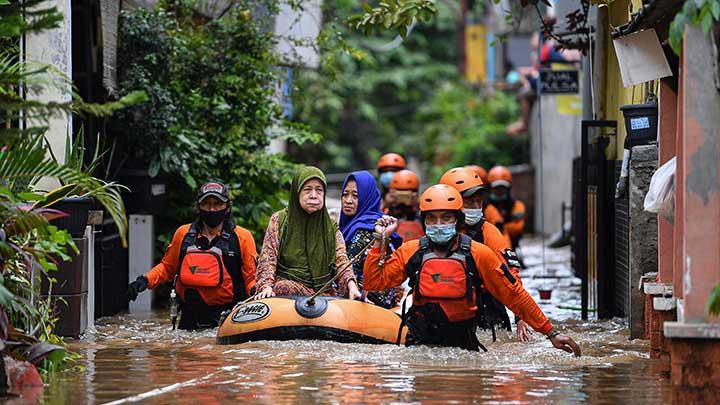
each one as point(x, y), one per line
point(695, 370)
point(654, 321)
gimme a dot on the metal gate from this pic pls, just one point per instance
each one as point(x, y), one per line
point(593, 220)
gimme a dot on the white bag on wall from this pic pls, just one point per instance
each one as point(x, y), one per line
point(660, 198)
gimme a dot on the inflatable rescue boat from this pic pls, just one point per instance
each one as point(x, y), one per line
point(324, 318)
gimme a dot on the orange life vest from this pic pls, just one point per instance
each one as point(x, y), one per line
point(205, 271)
point(454, 283)
point(445, 281)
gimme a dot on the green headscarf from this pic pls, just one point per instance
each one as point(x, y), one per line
point(307, 241)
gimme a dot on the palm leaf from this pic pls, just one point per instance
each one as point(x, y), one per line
point(27, 160)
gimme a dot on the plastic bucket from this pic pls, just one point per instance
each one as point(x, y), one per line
point(545, 294)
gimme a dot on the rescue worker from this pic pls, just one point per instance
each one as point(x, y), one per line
point(303, 248)
point(471, 188)
point(211, 259)
point(490, 213)
point(512, 211)
point(402, 203)
point(446, 271)
point(480, 171)
point(387, 166)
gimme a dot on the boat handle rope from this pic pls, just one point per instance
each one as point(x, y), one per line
point(311, 301)
point(361, 253)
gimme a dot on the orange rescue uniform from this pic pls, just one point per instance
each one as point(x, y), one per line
point(167, 268)
point(515, 220)
point(511, 222)
point(512, 295)
point(497, 242)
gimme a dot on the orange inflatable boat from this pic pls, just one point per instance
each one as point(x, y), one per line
point(326, 318)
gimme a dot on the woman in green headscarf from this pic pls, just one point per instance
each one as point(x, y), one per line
point(303, 247)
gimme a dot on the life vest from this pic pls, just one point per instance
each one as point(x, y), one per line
point(410, 230)
point(446, 281)
point(215, 273)
point(454, 284)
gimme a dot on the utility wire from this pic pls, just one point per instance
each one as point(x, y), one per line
point(540, 131)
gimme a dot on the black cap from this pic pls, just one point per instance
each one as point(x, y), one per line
point(215, 189)
point(471, 191)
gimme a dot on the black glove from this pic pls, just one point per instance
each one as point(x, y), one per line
point(137, 287)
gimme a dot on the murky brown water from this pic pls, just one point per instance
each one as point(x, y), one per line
point(139, 359)
point(133, 359)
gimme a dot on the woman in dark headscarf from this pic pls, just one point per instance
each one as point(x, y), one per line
point(360, 211)
point(303, 247)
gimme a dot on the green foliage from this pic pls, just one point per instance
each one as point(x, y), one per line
point(393, 15)
point(211, 115)
point(29, 250)
point(460, 126)
point(30, 247)
point(364, 96)
point(702, 13)
point(713, 303)
point(16, 19)
point(25, 161)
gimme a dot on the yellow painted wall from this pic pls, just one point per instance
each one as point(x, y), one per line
point(476, 53)
point(616, 95)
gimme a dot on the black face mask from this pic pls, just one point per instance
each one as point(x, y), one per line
point(212, 218)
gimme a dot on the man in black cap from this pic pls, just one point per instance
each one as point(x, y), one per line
point(211, 261)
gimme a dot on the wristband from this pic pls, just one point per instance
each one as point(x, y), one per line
point(552, 334)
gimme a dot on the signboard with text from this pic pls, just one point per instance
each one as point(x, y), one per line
point(560, 81)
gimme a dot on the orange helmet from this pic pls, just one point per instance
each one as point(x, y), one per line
point(500, 176)
point(480, 172)
point(405, 180)
point(465, 181)
point(441, 197)
point(391, 160)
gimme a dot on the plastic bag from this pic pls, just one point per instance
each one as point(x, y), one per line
point(660, 198)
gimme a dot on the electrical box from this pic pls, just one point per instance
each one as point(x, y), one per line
point(140, 257)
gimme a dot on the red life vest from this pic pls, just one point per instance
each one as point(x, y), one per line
point(454, 284)
point(205, 271)
point(410, 230)
point(446, 281)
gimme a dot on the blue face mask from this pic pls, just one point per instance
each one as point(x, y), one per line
point(440, 234)
point(386, 178)
point(473, 215)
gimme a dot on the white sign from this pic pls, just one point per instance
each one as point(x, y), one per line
point(639, 123)
point(641, 58)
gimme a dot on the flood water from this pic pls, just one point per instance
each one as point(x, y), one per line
point(139, 359)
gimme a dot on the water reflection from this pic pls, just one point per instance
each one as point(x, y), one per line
point(133, 359)
point(139, 359)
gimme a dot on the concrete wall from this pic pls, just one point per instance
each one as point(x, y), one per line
point(643, 232)
point(53, 47)
point(560, 145)
point(695, 337)
point(700, 193)
point(667, 139)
